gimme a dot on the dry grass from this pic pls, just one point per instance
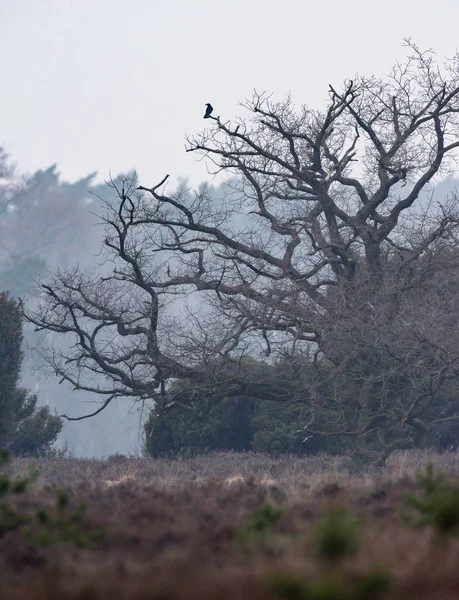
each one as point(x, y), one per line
point(172, 526)
point(289, 472)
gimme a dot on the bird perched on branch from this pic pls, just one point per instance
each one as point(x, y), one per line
point(209, 110)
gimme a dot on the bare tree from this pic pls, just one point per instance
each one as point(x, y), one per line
point(389, 376)
point(318, 247)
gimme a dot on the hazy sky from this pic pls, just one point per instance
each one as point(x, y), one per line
point(112, 85)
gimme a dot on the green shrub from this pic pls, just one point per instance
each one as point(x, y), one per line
point(46, 527)
point(336, 536)
point(437, 506)
point(10, 519)
point(260, 523)
point(62, 525)
point(374, 583)
point(370, 586)
point(289, 586)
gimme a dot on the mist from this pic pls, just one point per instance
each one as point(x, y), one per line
point(49, 224)
point(91, 91)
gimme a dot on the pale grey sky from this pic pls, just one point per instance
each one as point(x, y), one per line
point(111, 85)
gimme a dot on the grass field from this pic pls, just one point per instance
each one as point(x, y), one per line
point(223, 526)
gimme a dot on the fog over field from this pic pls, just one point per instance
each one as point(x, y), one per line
point(100, 89)
point(229, 300)
point(75, 237)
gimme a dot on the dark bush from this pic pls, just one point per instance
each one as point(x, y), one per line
point(25, 428)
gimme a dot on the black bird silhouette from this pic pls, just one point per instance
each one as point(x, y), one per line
point(209, 110)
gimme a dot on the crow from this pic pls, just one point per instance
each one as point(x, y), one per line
point(209, 110)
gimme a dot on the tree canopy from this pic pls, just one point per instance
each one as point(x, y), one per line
point(329, 245)
point(24, 427)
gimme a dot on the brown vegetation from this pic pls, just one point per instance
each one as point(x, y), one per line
point(173, 527)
